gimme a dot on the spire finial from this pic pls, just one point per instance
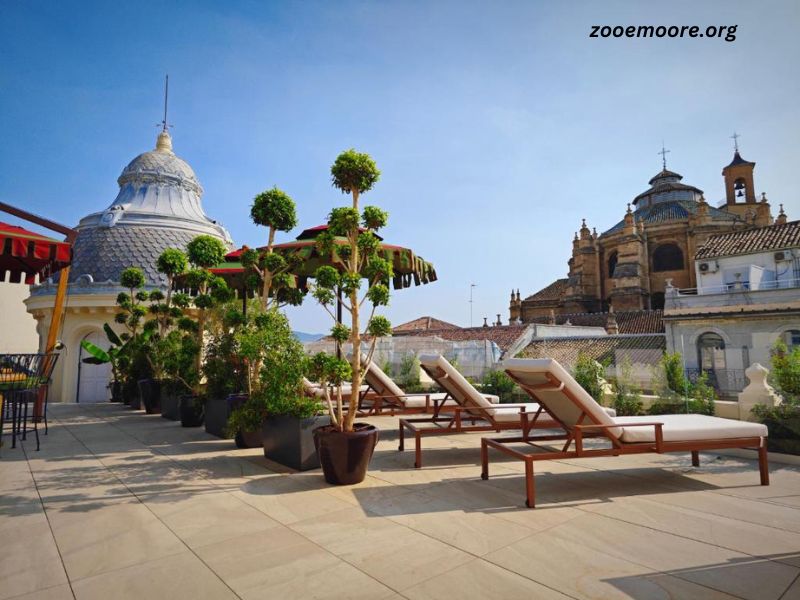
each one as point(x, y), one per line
point(663, 154)
point(164, 124)
point(735, 137)
point(781, 211)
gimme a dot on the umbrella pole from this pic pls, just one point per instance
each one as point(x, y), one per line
point(338, 318)
point(55, 327)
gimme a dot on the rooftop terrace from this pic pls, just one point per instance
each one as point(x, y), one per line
point(124, 505)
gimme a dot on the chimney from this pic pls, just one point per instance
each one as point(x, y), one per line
point(611, 322)
point(485, 324)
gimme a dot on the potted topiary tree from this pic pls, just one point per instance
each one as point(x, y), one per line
point(345, 447)
point(203, 252)
point(131, 316)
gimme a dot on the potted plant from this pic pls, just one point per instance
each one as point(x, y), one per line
point(115, 356)
point(345, 447)
point(131, 316)
point(224, 369)
point(291, 416)
point(783, 420)
point(203, 252)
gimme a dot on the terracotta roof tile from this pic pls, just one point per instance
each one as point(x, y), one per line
point(759, 239)
point(551, 293)
point(423, 324)
point(504, 336)
point(628, 321)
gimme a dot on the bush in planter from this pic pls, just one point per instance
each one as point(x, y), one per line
point(223, 366)
point(352, 173)
point(627, 396)
point(676, 394)
point(590, 375)
point(783, 420)
point(499, 384)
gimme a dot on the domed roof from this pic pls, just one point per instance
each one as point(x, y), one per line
point(161, 163)
point(666, 186)
point(158, 207)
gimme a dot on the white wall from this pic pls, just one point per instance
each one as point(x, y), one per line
point(17, 328)
point(760, 267)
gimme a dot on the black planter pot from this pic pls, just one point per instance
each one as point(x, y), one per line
point(116, 391)
point(218, 410)
point(784, 436)
point(131, 396)
point(248, 439)
point(171, 406)
point(192, 412)
point(290, 441)
point(345, 456)
point(150, 391)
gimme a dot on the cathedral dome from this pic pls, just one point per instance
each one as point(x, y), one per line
point(158, 206)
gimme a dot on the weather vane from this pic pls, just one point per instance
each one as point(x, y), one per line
point(735, 137)
point(663, 154)
point(164, 125)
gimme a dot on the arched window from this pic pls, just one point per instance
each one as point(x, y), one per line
point(791, 338)
point(711, 352)
point(667, 257)
point(612, 263)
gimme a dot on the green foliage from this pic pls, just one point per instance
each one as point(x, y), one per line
point(354, 171)
point(132, 278)
point(172, 262)
point(374, 218)
point(205, 251)
point(785, 375)
point(368, 243)
point(247, 417)
point(343, 221)
point(327, 277)
point(378, 294)
point(676, 394)
point(378, 269)
point(627, 396)
point(351, 283)
point(408, 375)
point(498, 383)
point(274, 209)
point(340, 332)
point(590, 374)
point(379, 326)
point(328, 369)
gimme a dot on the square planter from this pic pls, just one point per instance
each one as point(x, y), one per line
point(290, 441)
point(171, 407)
point(217, 412)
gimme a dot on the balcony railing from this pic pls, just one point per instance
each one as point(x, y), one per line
point(740, 286)
point(725, 381)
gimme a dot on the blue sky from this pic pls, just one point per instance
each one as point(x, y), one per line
point(497, 125)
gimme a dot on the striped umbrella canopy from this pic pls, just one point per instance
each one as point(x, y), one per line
point(408, 267)
point(25, 254)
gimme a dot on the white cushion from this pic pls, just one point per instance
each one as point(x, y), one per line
point(566, 402)
point(452, 381)
point(381, 382)
point(418, 401)
point(685, 428)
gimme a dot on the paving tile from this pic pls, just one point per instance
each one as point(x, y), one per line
point(281, 563)
point(29, 560)
point(477, 580)
point(59, 592)
point(105, 538)
point(178, 577)
point(394, 555)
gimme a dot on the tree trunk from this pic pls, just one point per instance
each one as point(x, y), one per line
point(355, 333)
point(267, 274)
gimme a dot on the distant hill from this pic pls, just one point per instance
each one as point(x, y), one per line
point(308, 337)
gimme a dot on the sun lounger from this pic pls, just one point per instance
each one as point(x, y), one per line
point(387, 396)
point(576, 411)
point(315, 389)
point(474, 411)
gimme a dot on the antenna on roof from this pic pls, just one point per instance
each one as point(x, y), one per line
point(663, 154)
point(164, 125)
point(735, 137)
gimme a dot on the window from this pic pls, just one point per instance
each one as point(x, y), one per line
point(667, 257)
point(657, 300)
point(791, 338)
point(612, 263)
point(711, 352)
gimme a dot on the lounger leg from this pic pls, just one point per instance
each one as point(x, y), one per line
point(417, 450)
point(402, 435)
point(530, 491)
point(484, 460)
point(763, 466)
point(695, 458)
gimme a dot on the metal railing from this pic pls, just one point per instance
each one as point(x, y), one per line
point(740, 286)
point(725, 381)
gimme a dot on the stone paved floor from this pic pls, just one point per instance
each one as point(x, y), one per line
point(123, 505)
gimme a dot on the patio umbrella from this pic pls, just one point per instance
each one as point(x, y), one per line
point(25, 254)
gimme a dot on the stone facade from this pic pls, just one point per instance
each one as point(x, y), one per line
point(627, 266)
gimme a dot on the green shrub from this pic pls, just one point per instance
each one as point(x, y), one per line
point(676, 394)
point(589, 374)
point(499, 384)
point(785, 375)
point(408, 375)
point(627, 396)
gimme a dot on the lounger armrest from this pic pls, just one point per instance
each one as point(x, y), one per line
point(659, 427)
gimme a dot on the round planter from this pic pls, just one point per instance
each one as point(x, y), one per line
point(192, 412)
point(150, 390)
point(345, 456)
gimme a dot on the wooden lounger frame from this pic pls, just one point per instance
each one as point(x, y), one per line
point(467, 419)
point(575, 435)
